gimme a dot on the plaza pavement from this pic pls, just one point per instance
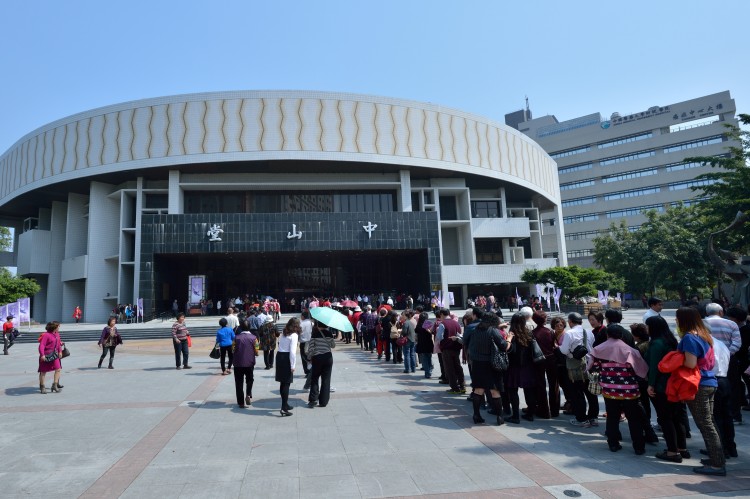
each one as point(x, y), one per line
point(147, 430)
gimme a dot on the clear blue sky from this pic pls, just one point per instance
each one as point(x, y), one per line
point(570, 57)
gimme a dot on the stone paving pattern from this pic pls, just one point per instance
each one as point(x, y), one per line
point(145, 429)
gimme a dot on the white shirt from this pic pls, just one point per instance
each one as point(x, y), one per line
point(232, 321)
point(650, 313)
point(306, 330)
point(289, 344)
point(722, 355)
point(574, 337)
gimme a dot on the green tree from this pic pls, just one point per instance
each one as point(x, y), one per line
point(576, 281)
point(6, 239)
point(667, 251)
point(12, 287)
point(728, 190)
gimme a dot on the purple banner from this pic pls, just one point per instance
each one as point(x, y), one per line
point(24, 310)
point(140, 307)
point(13, 310)
point(196, 289)
point(4, 312)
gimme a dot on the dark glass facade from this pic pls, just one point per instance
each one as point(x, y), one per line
point(288, 202)
point(287, 254)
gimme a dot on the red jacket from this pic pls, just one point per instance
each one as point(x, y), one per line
point(683, 381)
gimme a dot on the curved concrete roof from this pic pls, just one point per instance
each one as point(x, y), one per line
point(273, 125)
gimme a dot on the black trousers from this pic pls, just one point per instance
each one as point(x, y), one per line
point(582, 396)
point(443, 377)
point(243, 376)
point(669, 415)
point(633, 412)
point(181, 348)
point(226, 351)
point(111, 354)
point(268, 358)
point(396, 351)
point(303, 357)
point(320, 379)
point(723, 414)
point(544, 408)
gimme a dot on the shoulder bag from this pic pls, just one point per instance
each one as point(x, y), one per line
point(536, 351)
point(215, 352)
point(581, 350)
point(499, 358)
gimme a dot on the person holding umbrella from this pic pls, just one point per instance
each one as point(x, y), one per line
point(319, 351)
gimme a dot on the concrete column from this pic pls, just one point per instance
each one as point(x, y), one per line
point(58, 229)
point(562, 254)
point(176, 196)
point(405, 191)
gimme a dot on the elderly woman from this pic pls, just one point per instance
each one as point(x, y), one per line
point(620, 366)
point(225, 338)
point(109, 340)
point(245, 350)
point(479, 343)
point(545, 338)
point(50, 352)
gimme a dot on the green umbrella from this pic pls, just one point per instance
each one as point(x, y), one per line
point(331, 318)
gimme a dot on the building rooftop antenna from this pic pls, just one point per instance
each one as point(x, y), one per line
point(526, 110)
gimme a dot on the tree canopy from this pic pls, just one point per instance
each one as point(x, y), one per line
point(12, 287)
point(576, 281)
point(668, 251)
point(6, 239)
point(728, 189)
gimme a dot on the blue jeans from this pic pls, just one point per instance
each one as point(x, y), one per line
point(181, 348)
point(426, 360)
point(410, 360)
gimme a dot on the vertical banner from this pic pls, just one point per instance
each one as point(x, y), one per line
point(24, 310)
point(539, 288)
point(4, 312)
point(13, 310)
point(606, 297)
point(619, 298)
point(519, 301)
point(140, 308)
point(196, 289)
point(451, 298)
point(558, 294)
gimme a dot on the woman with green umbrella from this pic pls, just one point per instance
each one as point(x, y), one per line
point(319, 351)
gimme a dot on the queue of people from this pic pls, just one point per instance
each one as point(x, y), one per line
point(631, 369)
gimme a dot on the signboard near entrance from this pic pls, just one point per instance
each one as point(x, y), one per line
point(197, 285)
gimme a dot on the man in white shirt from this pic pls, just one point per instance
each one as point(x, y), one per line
point(723, 400)
point(232, 320)
point(572, 338)
point(654, 308)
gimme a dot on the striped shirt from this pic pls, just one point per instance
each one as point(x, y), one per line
point(179, 331)
point(726, 331)
point(321, 343)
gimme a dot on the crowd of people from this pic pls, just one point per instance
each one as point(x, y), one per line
point(561, 368)
point(632, 369)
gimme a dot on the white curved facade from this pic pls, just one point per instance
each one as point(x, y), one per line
point(111, 159)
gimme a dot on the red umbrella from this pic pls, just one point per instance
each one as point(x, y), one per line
point(349, 303)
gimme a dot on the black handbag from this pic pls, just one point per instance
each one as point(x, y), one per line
point(499, 359)
point(536, 351)
point(581, 350)
point(51, 357)
point(216, 352)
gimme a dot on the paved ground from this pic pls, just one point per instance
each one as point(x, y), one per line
point(147, 430)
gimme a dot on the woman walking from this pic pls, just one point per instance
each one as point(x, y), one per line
point(245, 350)
point(50, 347)
point(109, 340)
point(319, 351)
point(479, 343)
point(180, 335)
point(225, 338)
point(697, 345)
point(286, 360)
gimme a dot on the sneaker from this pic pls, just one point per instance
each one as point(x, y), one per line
point(593, 422)
point(582, 424)
point(332, 389)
